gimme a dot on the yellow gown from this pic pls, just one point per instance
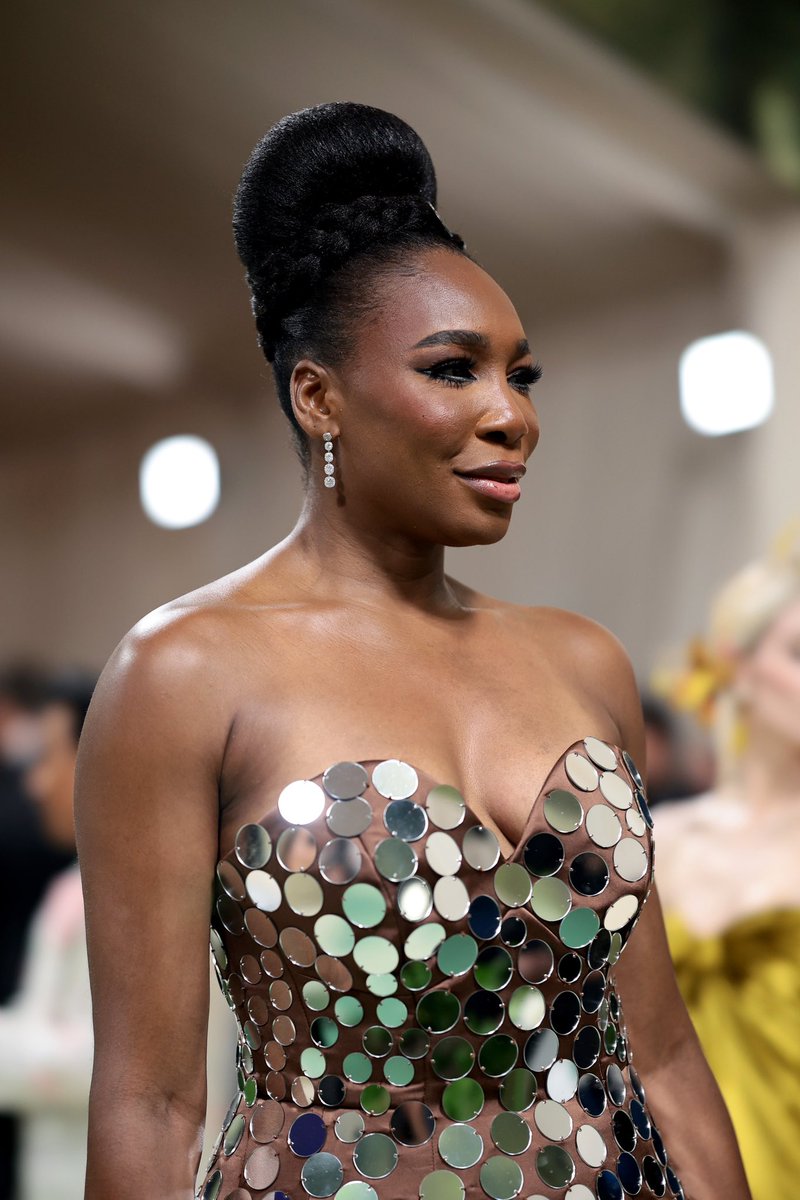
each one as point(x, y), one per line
point(742, 989)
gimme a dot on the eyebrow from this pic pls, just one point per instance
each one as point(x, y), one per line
point(466, 337)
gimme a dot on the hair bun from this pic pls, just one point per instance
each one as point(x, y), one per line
point(322, 185)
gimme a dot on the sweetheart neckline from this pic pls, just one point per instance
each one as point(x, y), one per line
point(468, 809)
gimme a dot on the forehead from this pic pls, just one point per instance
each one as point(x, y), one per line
point(445, 291)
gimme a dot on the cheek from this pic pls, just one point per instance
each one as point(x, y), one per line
point(777, 679)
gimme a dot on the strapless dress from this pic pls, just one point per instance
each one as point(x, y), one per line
point(742, 989)
point(422, 1016)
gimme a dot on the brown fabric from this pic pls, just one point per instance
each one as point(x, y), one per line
point(229, 1172)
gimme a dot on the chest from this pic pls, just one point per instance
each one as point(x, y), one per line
point(489, 718)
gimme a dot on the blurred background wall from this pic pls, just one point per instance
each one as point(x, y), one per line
point(623, 224)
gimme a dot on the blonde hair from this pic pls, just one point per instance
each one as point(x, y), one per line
point(740, 613)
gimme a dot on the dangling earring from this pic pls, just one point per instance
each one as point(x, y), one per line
point(327, 443)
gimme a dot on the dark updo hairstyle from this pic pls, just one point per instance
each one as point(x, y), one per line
point(331, 197)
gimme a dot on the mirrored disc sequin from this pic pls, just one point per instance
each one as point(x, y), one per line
point(230, 880)
point(414, 899)
point(620, 912)
point(321, 1174)
point(424, 941)
point(333, 973)
point(579, 927)
point(364, 905)
point(512, 884)
point(394, 779)
point(551, 899)
point(260, 928)
point(398, 1070)
point(615, 1085)
point(349, 1126)
point(493, 969)
point(602, 826)
point(526, 1008)
point(339, 861)
point(616, 790)
point(233, 1134)
point(518, 1089)
point(481, 848)
point(562, 1080)
point(302, 1091)
point(541, 1051)
point(405, 820)
point(588, 874)
point(563, 810)
point(484, 917)
point(297, 947)
point(580, 771)
point(253, 846)
point(442, 853)
point(460, 1146)
point(535, 961)
point(513, 930)
point(452, 1058)
point(552, 1120)
point(629, 1173)
point(306, 1135)
point(635, 822)
point(555, 1166)
point(501, 1178)
point(263, 890)
point(301, 802)
point(303, 894)
point(463, 1100)
point(296, 849)
point(457, 954)
point(438, 1011)
point(261, 1167)
point(630, 860)
point(334, 935)
point(377, 1041)
point(354, 1189)
point(591, 1095)
point(375, 1099)
point(511, 1133)
point(497, 1055)
point(590, 1146)
point(450, 898)
point(446, 806)
point(441, 1185)
point(412, 1123)
point(266, 1121)
point(601, 754)
point(608, 1186)
point(345, 780)
point(395, 860)
point(349, 818)
point(544, 854)
point(375, 1155)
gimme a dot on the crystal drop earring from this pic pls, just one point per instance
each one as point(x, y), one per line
point(327, 442)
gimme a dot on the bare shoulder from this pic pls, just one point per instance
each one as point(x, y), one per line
point(177, 659)
point(582, 650)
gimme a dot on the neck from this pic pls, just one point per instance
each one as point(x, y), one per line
point(769, 776)
point(362, 565)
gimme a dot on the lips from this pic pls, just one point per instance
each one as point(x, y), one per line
point(501, 472)
point(497, 480)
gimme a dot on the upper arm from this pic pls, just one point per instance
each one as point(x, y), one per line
point(147, 829)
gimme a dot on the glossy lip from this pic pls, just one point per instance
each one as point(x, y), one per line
point(501, 470)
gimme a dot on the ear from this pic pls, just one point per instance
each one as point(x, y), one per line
point(315, 397)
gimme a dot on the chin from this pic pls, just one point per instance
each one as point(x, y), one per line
point(483, 533)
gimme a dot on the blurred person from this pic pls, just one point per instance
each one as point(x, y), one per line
point(727, 861)
point(45, 1029)
point(667, 776)
point(249, 760)
point(28, 860)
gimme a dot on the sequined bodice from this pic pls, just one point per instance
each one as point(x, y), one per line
point(420, 1015)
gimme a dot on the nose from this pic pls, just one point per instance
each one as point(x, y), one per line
point(509, 421)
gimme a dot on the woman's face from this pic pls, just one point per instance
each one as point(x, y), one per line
point(770, 677)
point(438, 385)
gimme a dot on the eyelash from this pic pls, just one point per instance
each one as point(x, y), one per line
point(525, 376)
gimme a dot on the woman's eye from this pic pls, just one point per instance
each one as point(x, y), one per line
point(524, 378)
point(453, 371)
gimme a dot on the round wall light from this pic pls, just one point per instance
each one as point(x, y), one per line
point(725, 383)
point(179, 481)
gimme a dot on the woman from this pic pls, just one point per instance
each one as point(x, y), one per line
point(737, 948)
point(416, 917)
